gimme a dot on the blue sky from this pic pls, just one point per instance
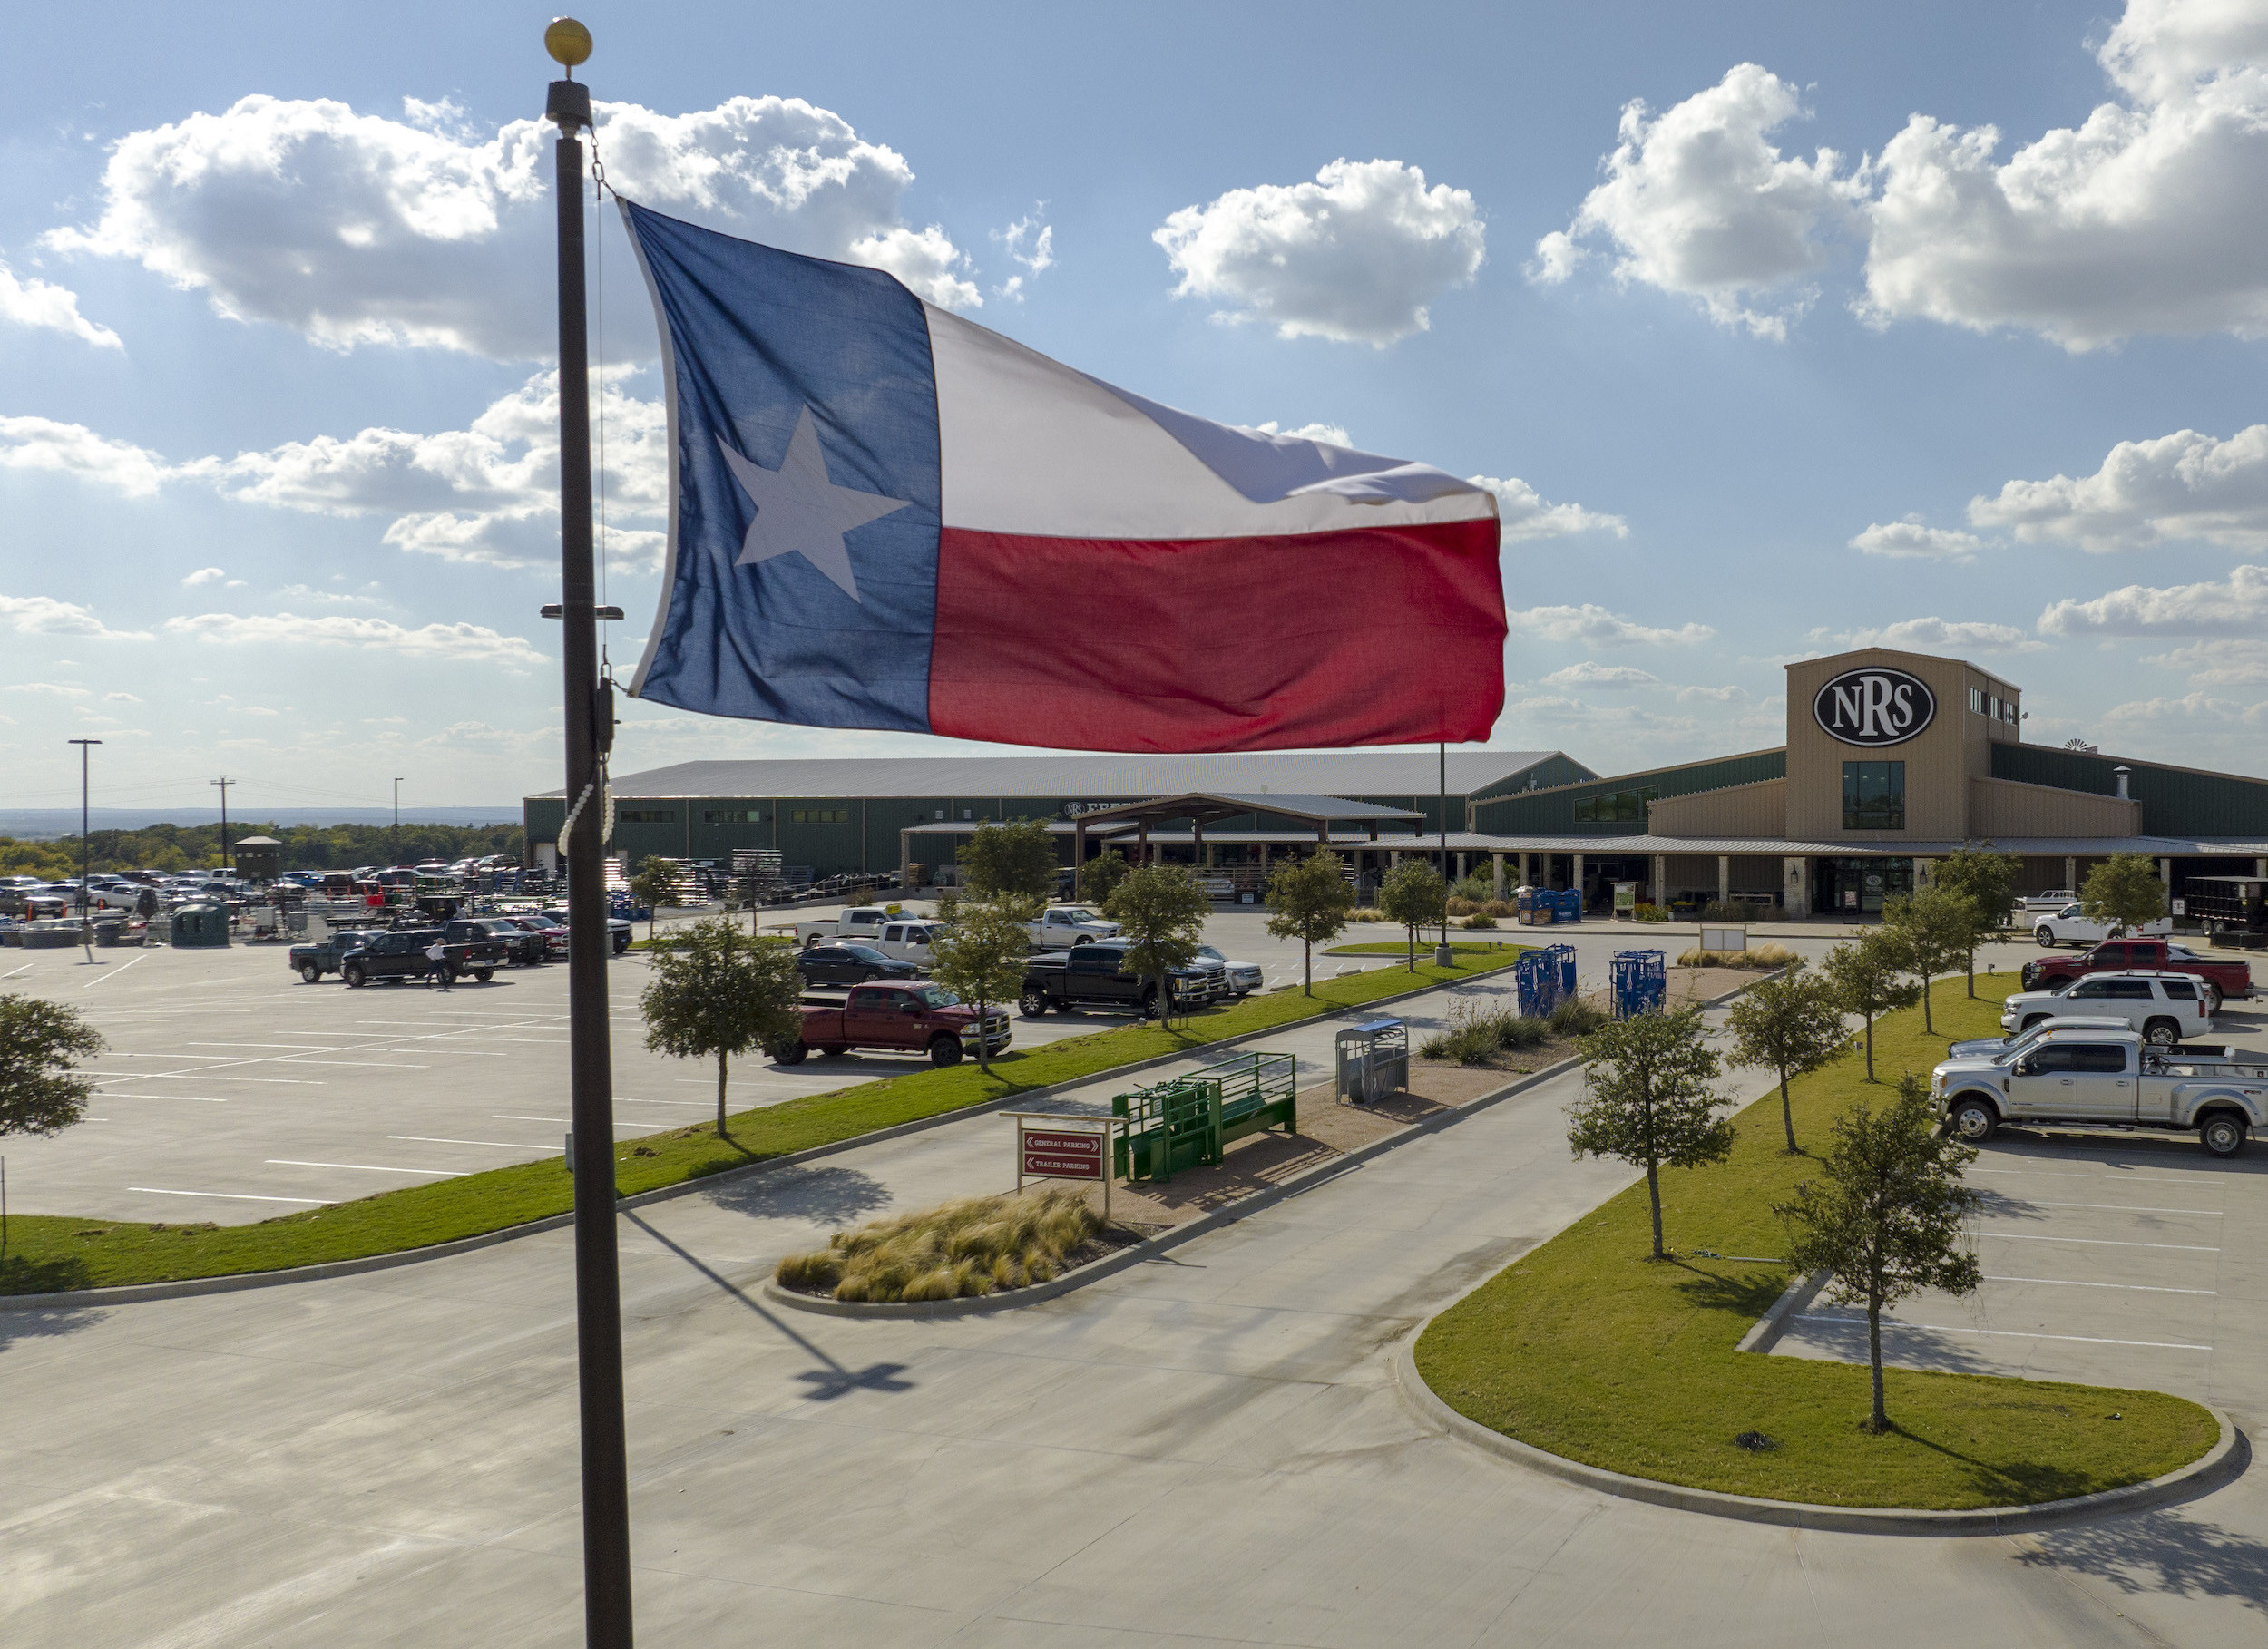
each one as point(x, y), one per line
point(273, 403)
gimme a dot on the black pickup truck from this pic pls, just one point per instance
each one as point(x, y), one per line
point(401, 954)
point(312, 961)
point(522, 947)
point(1095, 976)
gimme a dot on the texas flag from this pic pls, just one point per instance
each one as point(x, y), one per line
point(882, 515)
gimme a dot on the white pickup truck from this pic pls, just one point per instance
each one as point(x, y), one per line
point(2105, 1078)
point(863, 923)
point(2165, 1007)
point(2070, 926)
point(1061, 927)
point(908, 940)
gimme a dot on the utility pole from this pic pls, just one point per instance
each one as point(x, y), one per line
point(1444, 957)
point(86, 855)
point(395, 847)
point(606, 1592)
point(224, 781)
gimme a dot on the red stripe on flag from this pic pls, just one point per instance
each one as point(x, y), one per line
point(1386, 635)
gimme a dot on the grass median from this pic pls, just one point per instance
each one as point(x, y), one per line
point(47, 1253)
point(1586, 1349)
point(1425, 947)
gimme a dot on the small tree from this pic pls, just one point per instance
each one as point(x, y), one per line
point(1414, 895)
point(2123, 891)
point(1018, 858)
point(1884, 1219)
point(981, 957)
point(1308, 899)
point(1650, 1100)
point(1935, 928)
point(654, 885)
point(1160, 912)
point(1098, 878)
point(718, 991)
point(1869, 975)
point(1791, 1024)
point(42, 1045)
point(1989, 877)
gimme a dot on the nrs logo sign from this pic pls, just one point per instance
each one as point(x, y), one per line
point(1874, 707)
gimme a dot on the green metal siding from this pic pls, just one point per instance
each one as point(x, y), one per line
point(2176, 801)
point(1548, 774)
point(1551, 813)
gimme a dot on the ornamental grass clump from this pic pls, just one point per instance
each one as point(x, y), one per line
point(1577, 1017)
point(1475, 1034)
point(973, 1246)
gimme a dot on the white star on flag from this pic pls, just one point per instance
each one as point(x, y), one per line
point(800, 511)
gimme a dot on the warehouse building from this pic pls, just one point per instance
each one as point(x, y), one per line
point(1892, 760)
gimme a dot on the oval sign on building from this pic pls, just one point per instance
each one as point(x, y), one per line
point(1874, 707)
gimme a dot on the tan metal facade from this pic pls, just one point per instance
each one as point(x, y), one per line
point(1939, 760)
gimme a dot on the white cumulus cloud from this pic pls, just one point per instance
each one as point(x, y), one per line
point(1908, 539)
point(1699, 200)
point(357, 229)
point(1594, 626)
point(45, 615)
point(1524, 513)
point(2184, 485)
point(2235, 606)
point(1356, 256)
point(204, 575)
point(1030, 243)
point(463, 642)
point(1595, 675)
point(2144, 217)
point(1330, 435)
point(49, 307)
point(72, 449)
point(1922, 635)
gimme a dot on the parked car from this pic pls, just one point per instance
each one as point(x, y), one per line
point(552, 932)
point(909, 940)
point(1095, 976)
point(1061, 926)
point(2054, 899)
point(1237, 978)
point(852, 964)
point(618, 931)
point(2025, 1038)
point(400, 954)
point(523, 947)
point(865, 922)
point(2165, 1008)
point(2105, 1078)
point(2070, 926)
point(311, 961)
point(901, 1018)
point(16, 890)
point(2227, 977)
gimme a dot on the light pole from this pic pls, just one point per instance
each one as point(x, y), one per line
point(224, 781)
point(86, 855)
point(1444, 957)
point(606, 1580)
point(396, 849)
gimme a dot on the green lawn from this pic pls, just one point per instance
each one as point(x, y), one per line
point(46, 1252)
point(1398, 947)
point(1587, 1350)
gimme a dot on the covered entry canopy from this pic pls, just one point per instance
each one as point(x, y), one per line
point(1203, 807)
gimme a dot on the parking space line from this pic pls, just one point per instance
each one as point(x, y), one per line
point(1933, 1328)
point(698, 1105)
point(508, 1145)
point(190, 1076)
point(509, 1116)
point(138, 1093)
point(2132, 1179)
point(2145, 1288)
point(233, 1196)
point(113, 973)
point(2015, 1236)
point(363, 1168)
point(2208, 1213)
point(12, 972)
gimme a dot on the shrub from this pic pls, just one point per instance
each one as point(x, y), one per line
point(1649, 912)
point(1520, 1031)
point(1479, 919)
point(1577, 1017)
point(974, 1246)
point(1366, 913)
point(1501, 909)
point(1769, 955)
point(1460, 907)
point(1477, 888)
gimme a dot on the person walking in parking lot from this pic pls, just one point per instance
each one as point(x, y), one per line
point(437, 955)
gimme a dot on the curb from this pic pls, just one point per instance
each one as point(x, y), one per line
point(1765, 1331)
point(2220, 1464)
point(187, 1287)
point(1150, 1248)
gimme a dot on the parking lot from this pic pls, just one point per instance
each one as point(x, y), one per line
point(2112, 1259)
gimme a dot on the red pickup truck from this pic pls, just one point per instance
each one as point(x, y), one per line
point(902, 1016)
point(2225, 979)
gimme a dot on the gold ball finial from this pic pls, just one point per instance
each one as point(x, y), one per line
point(567, 41)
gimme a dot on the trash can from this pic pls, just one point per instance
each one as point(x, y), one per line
point(1374, 1060)
point(197, 926)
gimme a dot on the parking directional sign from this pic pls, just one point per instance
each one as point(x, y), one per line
point(1062, 1155)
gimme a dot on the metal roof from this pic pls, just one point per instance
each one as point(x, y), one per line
point(1205, 807)
point(1616, 847)
point(1329, 773)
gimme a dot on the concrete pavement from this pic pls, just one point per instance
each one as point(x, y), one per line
point(1206, 1450)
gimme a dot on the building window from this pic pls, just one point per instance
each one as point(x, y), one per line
point(2008, 708)
point(647, 816)
point(733, 815)
point(1873, 795)
point(1616, 806)
point(1975, 701)
point(820, 816)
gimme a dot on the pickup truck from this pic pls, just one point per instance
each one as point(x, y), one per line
point(401, 954)
point(899, 1017)
point(908, 941)
point(312, 961)
point(853, 964)
point(1061, 926)
point(2226, 979)
point(2055, 899)
point(2032, 1033)
point(2165, 1007)
point(864, 922)
point(2070, 926)
point(523, 946)
point(2105, 1078)
point(1094, 976)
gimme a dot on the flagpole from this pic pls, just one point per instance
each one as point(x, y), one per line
point(606, 1603)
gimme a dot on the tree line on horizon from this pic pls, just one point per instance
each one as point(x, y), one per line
point(181, 847)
